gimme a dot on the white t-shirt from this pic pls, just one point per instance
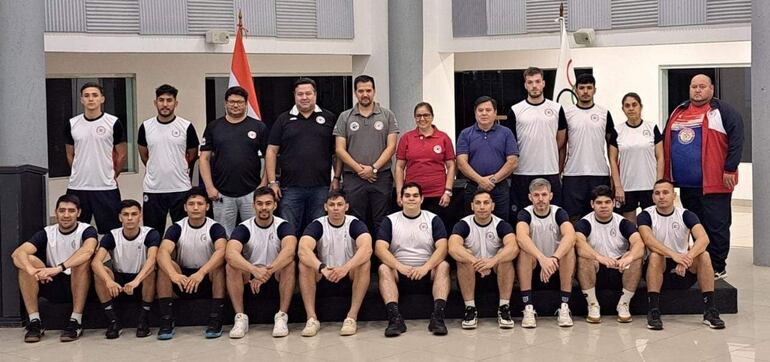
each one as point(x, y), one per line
point(129, 255)
point(672, 230)
point(610, 238)
point(58, 246)
point(261, 245)
point(544, 231)
point(335, 245)
point(483, 241)
point(93, 168)
point(194, 246)
point(636, 155)
point(535, 127)
point(167, 144)
point(412, 240)
point(588, 131)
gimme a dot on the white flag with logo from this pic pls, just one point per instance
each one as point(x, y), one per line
point(565, 72)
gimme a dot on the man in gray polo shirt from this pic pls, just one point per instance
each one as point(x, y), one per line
point(366, 140)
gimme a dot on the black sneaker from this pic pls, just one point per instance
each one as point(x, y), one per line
point(653, 319)
point(711, 319)
point(143, 324)
point(35, 331)
point(71, 332)
point(214, 328)
point(396, 326)
point(436, 325)
point(470, 320)
point(113, 329)
point(166, 330)
point(504, 319)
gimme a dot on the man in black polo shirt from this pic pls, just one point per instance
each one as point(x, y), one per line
point(230, 160)
point(303, 139)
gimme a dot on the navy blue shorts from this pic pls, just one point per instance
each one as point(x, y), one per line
point(102, 205)
point(634, 200)
point(576, 193)
point(157, 205)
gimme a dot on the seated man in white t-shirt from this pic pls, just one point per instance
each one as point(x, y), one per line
point(261, 250)
point(412, 246)
point(483, 244)
point(610, 253)
point(54, 263)
point(332, 248)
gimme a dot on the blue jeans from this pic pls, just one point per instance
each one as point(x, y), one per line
point(301, 205)
point(227, 208)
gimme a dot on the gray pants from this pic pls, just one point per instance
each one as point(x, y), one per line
point(367, 198)
point(227, 208)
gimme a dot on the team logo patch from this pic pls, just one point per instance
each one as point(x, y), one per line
point(320, 120)
point(490, 235)
point(252, 135)
point(204, 237)
point(549, 112)
point(595, 117)
point(686, 136)
point(437, 149)
point(675, 225)
point(73, 244)
point(379, 125)
point(146, 198)
point(176, 133)
point(354, 126)
point(646, 133)
point(613, 233)
point(101, 130)
point(424, 226)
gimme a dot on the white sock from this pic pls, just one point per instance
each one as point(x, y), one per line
point(77, 316)
point(626, 297)
point(504, 302)
point(470, 303)
point(33, 316)
point(590, 295)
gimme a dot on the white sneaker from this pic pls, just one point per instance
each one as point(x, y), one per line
point(564, 319)
point(240, 326)
point(594, 313)
point(281, 328)
point(349, 327)
point(311, 328)
point(529, 320)
point(624, 314)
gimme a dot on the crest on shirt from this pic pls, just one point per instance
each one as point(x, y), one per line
point(675, 225)
point(354, 126)
point(686, 136)
point(437, 149)
point(379, 125)
point(646, 133)
point(548, 112)
point(424, 226)
point(613, 233)
point(320, 120)
point(595, 117)
point(252, 135)
point(101, 130)
point(176, 133)
point(490, 235)
point(204, 237)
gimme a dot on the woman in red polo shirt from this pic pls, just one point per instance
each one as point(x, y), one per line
point(426, 156)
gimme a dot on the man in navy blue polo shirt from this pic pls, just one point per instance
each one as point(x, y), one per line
point(487, 154)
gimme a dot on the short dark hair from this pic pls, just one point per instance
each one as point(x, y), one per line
point(481, 192)
point(663, 181)
point(484, 99)
point(335, 194)
point(601, 190)
point(531, 71)
point(238, 91)
point(363, 78)
point(303, 80)
point(73, 199)
point(411, 184)
point(196, 191)
point(423, 104)
point(586, 78)
point(631, 95)
point(125, 204)
point(92, 85)
point(166, 89)
point(262, 191)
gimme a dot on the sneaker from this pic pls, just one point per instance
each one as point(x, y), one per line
point(653, 319)
point(281, 326)
point(529, 321)
point(395, 327)
point(166, 330)
point(311, 328)
point(114, 330)
point(624, 313)
point(504, 319)
point(594, 313)
point(71, 332)
point(240, 326)
point(436, 324)
point(564, 319)
point(471, 318)
point(711, 319)
point(720, 275)
point(349, 327)
point(35, 331)
point(214, 329)
point(143, 325)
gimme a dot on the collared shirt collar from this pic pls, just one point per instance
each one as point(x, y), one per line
point(417, 131)
point(295, 111)
point(476, 127)
point(375, 110)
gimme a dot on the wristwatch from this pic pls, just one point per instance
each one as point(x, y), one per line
point(493, 179)
point(448, 192)
point(374, 169)
point(321, 267)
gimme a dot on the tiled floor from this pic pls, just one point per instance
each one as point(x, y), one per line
point(747, 337)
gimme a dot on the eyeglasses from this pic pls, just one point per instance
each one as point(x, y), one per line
point(236, 103)
point(423, 115)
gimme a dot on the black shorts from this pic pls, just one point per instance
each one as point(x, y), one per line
point(673, 281)
point(576, 193)
point(325, 288)
point(608, 278)
point(634, 200)
point(419, 286)
point(157, 205)
point(269, 290)
point(520, 190)
point(204, 288)
point(59, 290)
point(103, 205)
point(553, 284)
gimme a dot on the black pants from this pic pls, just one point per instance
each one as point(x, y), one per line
point(157, 205)
point(432, 204)
point(367, 198)
point(102, 205)
point(500, 196)
point(715, 213)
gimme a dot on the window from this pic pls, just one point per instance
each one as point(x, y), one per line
point(731, 84)
point(63, 103)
